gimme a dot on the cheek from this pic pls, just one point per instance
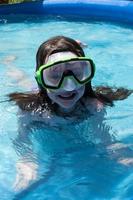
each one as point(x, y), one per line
point(81, 91)
point(51, 95)
point(54, 95)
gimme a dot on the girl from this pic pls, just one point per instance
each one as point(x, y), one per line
point(71, 86)
point(64, 97)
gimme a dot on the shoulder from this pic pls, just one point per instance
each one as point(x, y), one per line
point(94, 105)
point(99, 105)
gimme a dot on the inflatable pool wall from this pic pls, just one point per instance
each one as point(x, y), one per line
point(119, 11)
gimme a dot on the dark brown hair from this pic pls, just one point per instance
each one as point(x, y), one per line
point(30, 101)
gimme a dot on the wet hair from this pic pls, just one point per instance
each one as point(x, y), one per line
point(30, 101)
point(57, 44)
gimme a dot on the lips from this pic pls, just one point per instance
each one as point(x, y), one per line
point(67, 96)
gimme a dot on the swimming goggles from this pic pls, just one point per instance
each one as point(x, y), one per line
point(52, 75)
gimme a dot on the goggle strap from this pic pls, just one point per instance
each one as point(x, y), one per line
point(38, 77)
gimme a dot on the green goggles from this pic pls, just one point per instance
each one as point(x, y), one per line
point(51, 75)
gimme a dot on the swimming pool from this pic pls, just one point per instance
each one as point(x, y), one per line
point(78, 165)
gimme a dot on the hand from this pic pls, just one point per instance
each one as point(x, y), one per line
point(26, 173)
point(119, 150)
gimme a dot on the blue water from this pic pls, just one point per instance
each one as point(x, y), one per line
point(76, 162)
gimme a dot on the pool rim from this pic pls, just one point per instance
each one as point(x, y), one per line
point(112, 11)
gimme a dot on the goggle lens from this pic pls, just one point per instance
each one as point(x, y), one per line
point(81, 70)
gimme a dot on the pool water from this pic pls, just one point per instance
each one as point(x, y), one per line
point(76, 162)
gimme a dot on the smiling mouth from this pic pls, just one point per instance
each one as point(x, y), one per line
point(67, 96)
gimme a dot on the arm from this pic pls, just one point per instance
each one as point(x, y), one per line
point(26, 167)
point(26, 174)
point(123, 153)
point(117, 150)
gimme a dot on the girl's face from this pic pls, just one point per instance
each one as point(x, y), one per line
point(64, 98)
point(68, 95)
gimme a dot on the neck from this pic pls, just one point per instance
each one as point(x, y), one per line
point(66, 110)
point(69, 110)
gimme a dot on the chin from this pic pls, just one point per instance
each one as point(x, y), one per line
point(67, 106)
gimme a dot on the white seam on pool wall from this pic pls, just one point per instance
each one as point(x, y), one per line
point(119, 11)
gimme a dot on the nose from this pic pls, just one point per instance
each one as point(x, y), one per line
point(69, 84)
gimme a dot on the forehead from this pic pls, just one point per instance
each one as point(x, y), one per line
point(60, 56)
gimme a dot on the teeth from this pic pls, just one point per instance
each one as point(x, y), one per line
point(66, 95)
